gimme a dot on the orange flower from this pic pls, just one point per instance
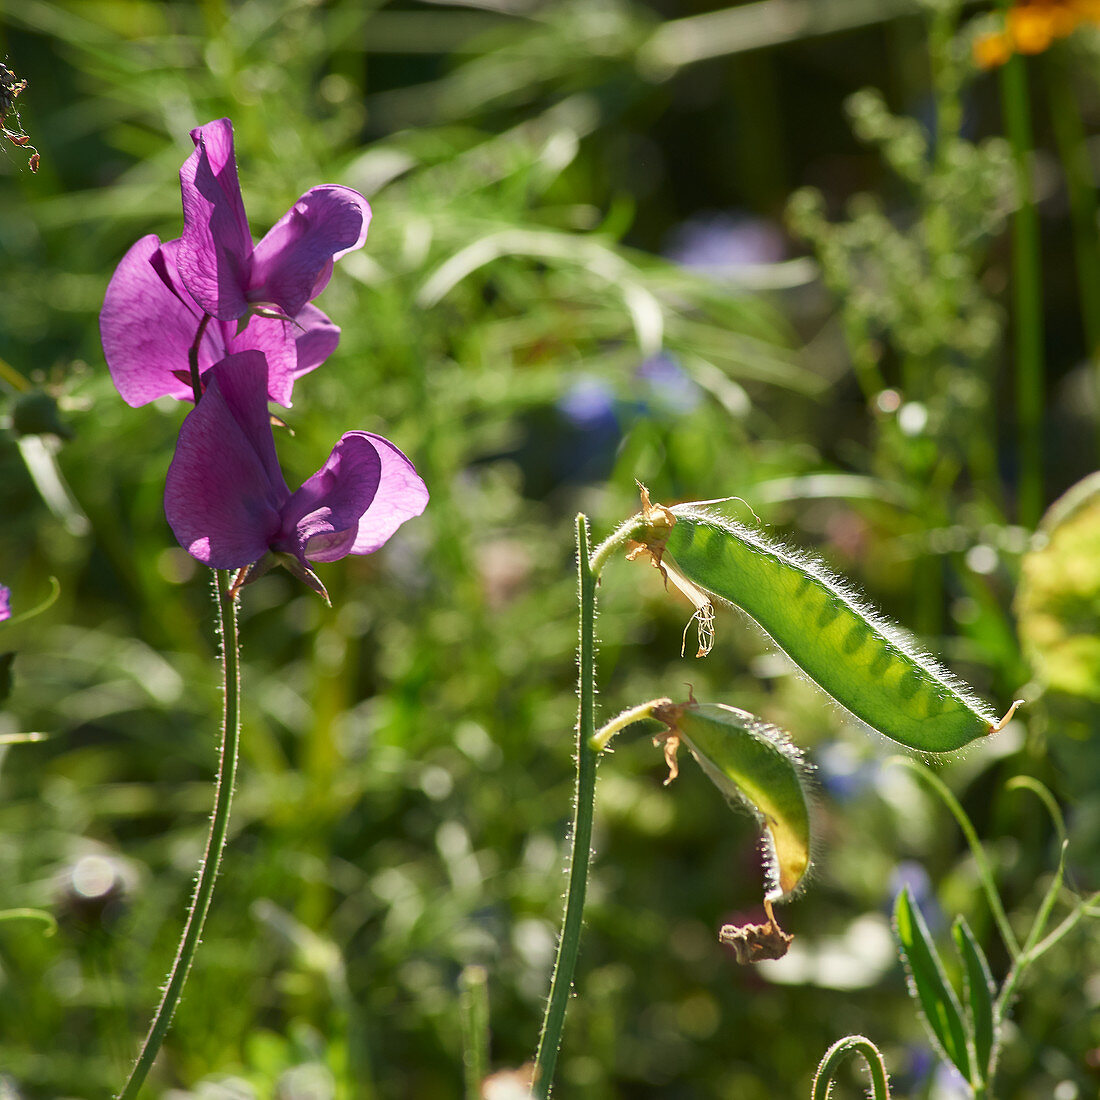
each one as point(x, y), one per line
point(1030, 28)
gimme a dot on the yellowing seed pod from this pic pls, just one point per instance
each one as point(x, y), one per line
point(757, 768)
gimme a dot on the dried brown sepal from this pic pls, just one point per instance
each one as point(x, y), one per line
point(661, 521)
point(754, 943)
point(670, 739)
point(669, 713)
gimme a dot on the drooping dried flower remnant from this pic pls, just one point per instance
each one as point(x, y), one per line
point(754, 943)
point(11, 87)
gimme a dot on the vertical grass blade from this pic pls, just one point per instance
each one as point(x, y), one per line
point(1027, 292)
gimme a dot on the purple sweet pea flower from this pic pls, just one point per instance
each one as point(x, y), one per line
point(218, 264)
point(5, 604)
point(229, 506)
point(149, 323)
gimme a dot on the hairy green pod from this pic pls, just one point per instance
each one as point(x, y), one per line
point(755, 766)
point(867, 665)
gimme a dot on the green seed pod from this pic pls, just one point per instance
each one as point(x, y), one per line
point(756, 767)
point(867, 665)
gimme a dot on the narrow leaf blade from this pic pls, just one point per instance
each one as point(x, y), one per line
point(978, 991)
point(928, 984)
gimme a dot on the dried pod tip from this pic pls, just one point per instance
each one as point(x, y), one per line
point(756, 942)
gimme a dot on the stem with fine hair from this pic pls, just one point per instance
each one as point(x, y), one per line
point(851, 1044)
point(569, 942)
point(219, 828)
point(1027, 293)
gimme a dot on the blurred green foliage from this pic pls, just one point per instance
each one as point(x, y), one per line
point(513, 326)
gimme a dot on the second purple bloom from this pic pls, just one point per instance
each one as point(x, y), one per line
point(229, 505)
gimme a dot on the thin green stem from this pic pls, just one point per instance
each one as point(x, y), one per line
point(985, 875)
point(639, 713)
point(219, 828)
point(623, 534)
point(1030, 954)
point(474, 1007)
point(561, 983)
point(1027, 293)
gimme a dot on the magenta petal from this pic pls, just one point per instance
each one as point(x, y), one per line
point(5, 604)
point(321, 519)
point(315, 340)
point(323, 225)
point(220, 499)
point(216, 246)
point(242, 380)
point(276, 339)
point(146, 327)
point(401, 495)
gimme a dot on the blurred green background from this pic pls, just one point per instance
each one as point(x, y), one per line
point(586, 267)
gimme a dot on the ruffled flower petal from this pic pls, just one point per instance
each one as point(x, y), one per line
point(5, 603)
point(277, 341)
point(216, 246)
point(224, 490)
point(321, 519)
point(401, 495)
point(147, 327)
point(288, 264)
point(316, 338)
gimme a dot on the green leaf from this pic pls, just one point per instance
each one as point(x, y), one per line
point(756, 767)
point(978, 994)
point(928, 984)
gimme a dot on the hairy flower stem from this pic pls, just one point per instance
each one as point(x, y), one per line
point(569, 942)
point(1027, 294)
point(851, 1044)
point(193, 358)
point(219, 827)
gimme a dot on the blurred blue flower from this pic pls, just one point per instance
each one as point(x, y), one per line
point(672, 388)
point(844, 773)
point(912, 1070)
point(909, 873)
point(949, 1084)
point(589, 404)
point(719, 243)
